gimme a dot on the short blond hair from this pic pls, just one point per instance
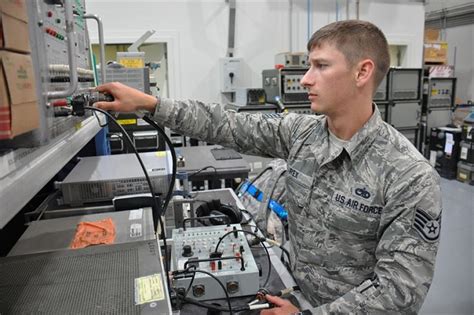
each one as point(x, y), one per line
point(356, 40)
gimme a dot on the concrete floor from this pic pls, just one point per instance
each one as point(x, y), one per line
point(452, 290)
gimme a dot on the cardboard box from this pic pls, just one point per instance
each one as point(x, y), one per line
point(14, 34)
point(436, 52)
point(432, 35)
point(18, 100)
point(15, 8)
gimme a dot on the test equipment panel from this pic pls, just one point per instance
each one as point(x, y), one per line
point(285, 84)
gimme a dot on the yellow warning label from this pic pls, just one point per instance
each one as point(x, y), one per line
point(462, 176)
point(148, 289)
point(160, 153)
point(132, 63)
point(127, 121)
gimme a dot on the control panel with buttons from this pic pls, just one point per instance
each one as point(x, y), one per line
point(232, 263)
point(442, 92)
point(291, 84)
point(285, 83)
point(54, 26)
point(55, 40)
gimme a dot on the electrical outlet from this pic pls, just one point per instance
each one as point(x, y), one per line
point(231, 73)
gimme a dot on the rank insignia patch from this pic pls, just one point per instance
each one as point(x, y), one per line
point(426, 226)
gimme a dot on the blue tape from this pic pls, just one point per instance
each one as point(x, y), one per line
point(247, 187)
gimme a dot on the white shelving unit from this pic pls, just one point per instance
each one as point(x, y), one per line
point(24, 172)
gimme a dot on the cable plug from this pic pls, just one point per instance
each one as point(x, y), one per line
point(287, 290)
point(78, 103)
point(215, 255)
point(256, 241)
point(260, 296)
point(272, 242)
point(280, 104)
point(261, 306)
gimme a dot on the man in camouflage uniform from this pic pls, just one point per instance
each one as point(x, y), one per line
point(364, 205)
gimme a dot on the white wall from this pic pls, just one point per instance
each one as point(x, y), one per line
point(401, 21)
point(460, 47)
point(196, 33)
point(461, 43)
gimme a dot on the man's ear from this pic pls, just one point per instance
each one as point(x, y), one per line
point(365, 72)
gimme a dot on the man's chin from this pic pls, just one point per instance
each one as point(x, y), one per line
point(317, 108)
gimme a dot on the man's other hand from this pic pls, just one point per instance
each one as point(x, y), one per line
point(282, 307)
point(126, 99)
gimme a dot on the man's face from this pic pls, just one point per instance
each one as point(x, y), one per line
point(330, 80)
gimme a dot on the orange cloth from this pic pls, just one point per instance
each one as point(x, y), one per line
point(94, 233)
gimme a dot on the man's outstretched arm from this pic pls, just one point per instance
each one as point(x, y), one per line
point(258, 134)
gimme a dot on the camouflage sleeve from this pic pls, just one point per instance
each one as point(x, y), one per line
point(261, 134)
point(406, 252)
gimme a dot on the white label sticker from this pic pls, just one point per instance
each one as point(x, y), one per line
point(181, 263)
point(433, 158)
point(257, 165)
point(464, 153)
point(135, 214)
point(149, 289)
point(141, 122)
point(136, 230)
point(448, 147)
point(469, 134)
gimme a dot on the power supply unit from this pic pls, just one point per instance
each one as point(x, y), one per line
point(101, 178)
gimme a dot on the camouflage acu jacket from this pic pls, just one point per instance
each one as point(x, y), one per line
point(364, 224)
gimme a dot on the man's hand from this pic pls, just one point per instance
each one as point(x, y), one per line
point(283, 307)
point(126, 99)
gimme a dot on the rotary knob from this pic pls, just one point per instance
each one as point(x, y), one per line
point(187, 251)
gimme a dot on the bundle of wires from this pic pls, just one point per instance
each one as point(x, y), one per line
point(156, 207)
point(190, 271)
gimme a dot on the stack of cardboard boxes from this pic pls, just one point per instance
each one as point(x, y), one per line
point(18, 98)
point(436, 51)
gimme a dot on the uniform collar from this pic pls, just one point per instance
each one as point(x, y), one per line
point(363, 138)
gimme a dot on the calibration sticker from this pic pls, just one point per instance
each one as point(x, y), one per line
point(148, 289)
point(136, 214)
point(136, 230)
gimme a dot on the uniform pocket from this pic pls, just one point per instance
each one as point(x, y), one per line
point(297, 192)
point(351, 216)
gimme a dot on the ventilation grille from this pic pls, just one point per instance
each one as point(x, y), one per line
point(295, 98)
point(100, 283)
point(405, 95)
point(441, 101)
point(89, 191)
point(133, 77)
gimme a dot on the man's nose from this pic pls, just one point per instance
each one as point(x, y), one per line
point(306, 81)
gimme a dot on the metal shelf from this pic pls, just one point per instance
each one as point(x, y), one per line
point(24, 172)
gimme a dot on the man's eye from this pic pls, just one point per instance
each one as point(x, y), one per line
point(320, 65)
